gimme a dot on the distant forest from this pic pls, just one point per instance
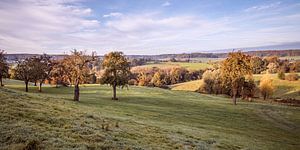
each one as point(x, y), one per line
point(260, 53)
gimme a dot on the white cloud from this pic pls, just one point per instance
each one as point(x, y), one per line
point(165, 4)
point(34, 26)
point(113, 14)
point(263, 7)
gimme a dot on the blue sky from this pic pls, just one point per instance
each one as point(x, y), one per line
point(146, 26)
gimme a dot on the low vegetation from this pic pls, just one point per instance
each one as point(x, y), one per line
point(266, 86)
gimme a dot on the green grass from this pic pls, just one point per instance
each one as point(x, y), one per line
point(191, 66)
point(192, 86)
point(148, 118)
point(205, 60)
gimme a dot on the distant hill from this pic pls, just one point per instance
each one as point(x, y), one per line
point(261, 53)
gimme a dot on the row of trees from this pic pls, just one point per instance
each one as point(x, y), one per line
point(233, 76)
point(74, 69)
point(273, 64)
point(161, 77)
point(35, 69)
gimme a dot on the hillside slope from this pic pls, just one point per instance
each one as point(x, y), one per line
point(144, 118)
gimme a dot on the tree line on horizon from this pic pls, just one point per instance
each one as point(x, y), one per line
point(233, 76)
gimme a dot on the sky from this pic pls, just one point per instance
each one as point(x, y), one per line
point(146, 26)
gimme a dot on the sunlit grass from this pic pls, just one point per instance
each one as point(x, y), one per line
point(147, 117)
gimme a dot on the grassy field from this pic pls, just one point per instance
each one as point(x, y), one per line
point(192, 86)
point(143, 118)
point(187, 65)
point(291, 57)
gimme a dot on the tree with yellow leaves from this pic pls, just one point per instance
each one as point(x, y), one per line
point(266, 86)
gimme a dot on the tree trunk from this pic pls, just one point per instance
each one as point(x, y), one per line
point(115, 92)
point(26, 86)
point(40, 86)
point(76, 92)
point(234, 92)
point(34, 83)
point(1, 81)
point(265, 96)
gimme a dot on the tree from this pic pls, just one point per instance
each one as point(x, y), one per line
point(78, 69)
point(281, 74)
point(58, 73)
point(258, 65)
point(116, 71)
point(157, 79)
point(235, 67)
point(35, 62)
point(3, 67)
point(24, 71)
point(144, 79)
point(248, 89)
point(177, 75)
point(45, 67)
point(272, 67)
point(212, 82)
point(266, 86)
point(208, 81)
point(295, 66)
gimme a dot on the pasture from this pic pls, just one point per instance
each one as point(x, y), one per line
point(187, 65)
point(160, 119)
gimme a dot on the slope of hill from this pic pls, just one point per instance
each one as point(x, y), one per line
point(192, 86)
point(143, 118)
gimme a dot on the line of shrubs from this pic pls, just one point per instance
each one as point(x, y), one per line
point(162, 77)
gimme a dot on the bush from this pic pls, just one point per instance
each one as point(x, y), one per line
point(248, 88)
point(266, 86)
point(132, 82)
point(292, 77)
point(201, 87)
point(281, 75)
point(272, 67)
point(212, 82)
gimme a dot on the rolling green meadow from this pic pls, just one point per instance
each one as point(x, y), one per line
point(160, 119)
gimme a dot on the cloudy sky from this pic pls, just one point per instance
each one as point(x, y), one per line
point(145, 26)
